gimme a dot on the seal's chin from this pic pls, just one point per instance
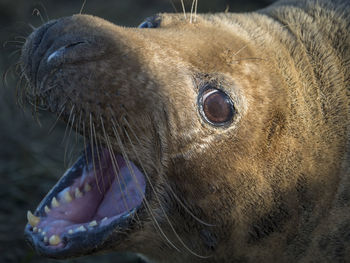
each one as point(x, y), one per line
point(94, 198)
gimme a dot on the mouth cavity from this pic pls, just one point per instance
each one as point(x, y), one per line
point(97, 196)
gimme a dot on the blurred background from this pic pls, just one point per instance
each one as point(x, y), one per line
point(31, 158)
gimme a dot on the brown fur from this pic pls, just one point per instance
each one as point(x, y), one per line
point(275, 185)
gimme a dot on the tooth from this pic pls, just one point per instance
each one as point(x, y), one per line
point(70, 231)
point(47, 209)
point(67, 197)
point(55, 203)
point(81, 229)
point(32, 219)
point(87, 187)
point(78, 193)
point(43, 233)
point(54, 240)
point(93, 223)
point(104, 219)
point(45, 239)
point(39, 230)
point(35, 229)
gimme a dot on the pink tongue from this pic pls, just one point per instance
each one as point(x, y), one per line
point(81, 209)
point(125, 193)
point(110, 195)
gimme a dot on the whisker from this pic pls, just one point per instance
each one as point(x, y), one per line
point(98, 154)
point(77, 127)
point(93, 153)
point(192, 7)
point(77, 137)
point(15, 52)
point(168, 186)
point(115, 166)
point(12, 42)
point(45, 11)
point(21, 37)
point(4, 76)
point(195, 11)
point(57, 119)
point(36, 12)
point(82, 7)
point(183, 8)
point(20, 92)
point(32, 27)
point(67, 125)
point(85, 144)
point(187, 209)
point(160, 204)
point(240, 50)
point(243, 59)
point(173, 5)
point(73, 143)
point(115, 131)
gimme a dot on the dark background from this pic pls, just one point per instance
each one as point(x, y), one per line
point(31, 159)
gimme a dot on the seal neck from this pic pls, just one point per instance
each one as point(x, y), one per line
point(322, 29)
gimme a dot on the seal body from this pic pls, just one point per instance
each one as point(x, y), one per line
point(264, 178)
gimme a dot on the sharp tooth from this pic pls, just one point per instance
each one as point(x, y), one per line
point(47, 209)
point(55, 203)
point(104, 219)
point(70, 231)
point(39, 230)
point(32, 219)
point(93, 223)
point(45, 239)
point(54, 240)
point(81, 229)
point(77, 193)
point(87, 187)
point(35, 229)
point(43, 233)
point(67, 197)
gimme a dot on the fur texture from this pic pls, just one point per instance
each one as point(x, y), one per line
point(274, 186)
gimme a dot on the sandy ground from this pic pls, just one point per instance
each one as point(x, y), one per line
point(31, 159)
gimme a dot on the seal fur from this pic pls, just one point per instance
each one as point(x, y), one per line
point(274, 185)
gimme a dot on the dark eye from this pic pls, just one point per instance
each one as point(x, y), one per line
point(216, 107)
point(150, 22)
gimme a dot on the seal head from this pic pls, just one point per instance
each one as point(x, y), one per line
point(221, 140)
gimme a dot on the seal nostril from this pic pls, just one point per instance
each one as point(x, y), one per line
point(61, 50)
point(75, 44)
point(55, 54)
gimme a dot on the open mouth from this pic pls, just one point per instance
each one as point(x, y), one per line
point(100, 194)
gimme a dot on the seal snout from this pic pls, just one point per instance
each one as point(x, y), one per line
point(59, 53)
point(59, 43)
point(33, 50)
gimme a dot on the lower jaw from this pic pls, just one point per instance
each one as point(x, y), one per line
point(88, 234)
point(78, 244)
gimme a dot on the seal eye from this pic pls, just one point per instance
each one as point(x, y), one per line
point(150, 22)
point(216, 107)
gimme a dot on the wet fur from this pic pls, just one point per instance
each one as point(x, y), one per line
point(272, 187)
